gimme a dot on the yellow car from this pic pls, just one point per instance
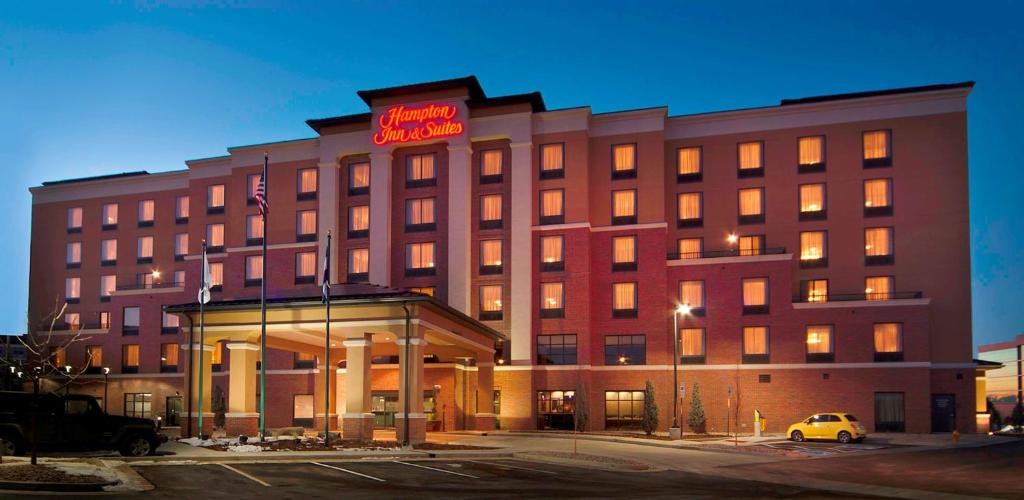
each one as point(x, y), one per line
point(842, 427)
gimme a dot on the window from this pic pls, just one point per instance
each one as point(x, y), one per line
point(105, 320)
point(217, 356)
point(557, 408)
point(215, 199)
point(813, 249)
point(139, 405)
point(60, 356)
point(552, 209)
point(180, 246)
point(688, 164)
point(425, 290)
point(305, 225)
point(750, 159)
point(147, 209)
point(814, 290)
point(877, 197)
point(358, 179)
point(556, 349)
point(252, 184)
point(552, 253)
point(691, 346)
point(144, 280)
point(181, 209)
point(420, 170)
point(490, 166)
point(110, 216)
point(625, 350)
point(878, 246)
point(359, 221)
point(305, 268)
point(691, 211)
point(691, 293)
point(253, 230)
point(623, 300)
point(214, 238)
point(624, 161)
point(490, 302)
point(820, 347)
point(812, 202)
point(108, 252)
point(130, 358)
point(168, 358)
point(877, 149)
point(130, 321)
point(751, 207)
point(751, 244)
point(755, 344)
point(169, 323)
point(889, 412)
point(552, 300)
point(811, 154)
point(623, 409)
point(94, 356)
point(420, 215)
point(878, 287)
point(888, 342)
point(624, 253)
point(552, 161)
point(302, 410)
point(72, 290)
point(755, 295)
point(691, 248)
point(216, 276)
point(358, 264)
point(419, 259)
point(306, 184)
point(490, 211)
point(253, 270)
point(108, 285)
point(490, 257)
point(72, 321)
point(75, 220)
point(144, 249)
point(624, 207)
point(304, 360)
point(179, 278)
point(73, 257)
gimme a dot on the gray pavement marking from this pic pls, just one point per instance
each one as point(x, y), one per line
point(348, 471)
point(245, 475)
point(436, 469)
point(506, 466)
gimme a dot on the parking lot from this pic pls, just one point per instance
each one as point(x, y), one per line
point(436, 479)
point(828, 448)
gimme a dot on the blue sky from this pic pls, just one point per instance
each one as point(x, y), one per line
point(90, 88)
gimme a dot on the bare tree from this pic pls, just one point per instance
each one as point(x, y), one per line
point(41, 368)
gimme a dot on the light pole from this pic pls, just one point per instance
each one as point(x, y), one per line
point(675, 432)
point(106, 371)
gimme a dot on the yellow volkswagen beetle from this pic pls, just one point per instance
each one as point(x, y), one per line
point(842, 427)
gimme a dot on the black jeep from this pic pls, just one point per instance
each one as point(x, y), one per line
point(71, 422)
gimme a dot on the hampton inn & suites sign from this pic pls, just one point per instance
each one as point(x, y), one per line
point(420, 123)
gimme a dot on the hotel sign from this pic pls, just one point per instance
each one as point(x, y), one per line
point(399, 124)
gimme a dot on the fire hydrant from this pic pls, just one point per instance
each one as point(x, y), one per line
point(956, 437)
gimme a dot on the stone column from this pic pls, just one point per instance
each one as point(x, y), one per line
point(485, 416)
point(357, 422)
point(202, 355)
point(413, 391)
point(327, 198)
point(380, 219)
point(318, 398)
point(459, 215)
point(242, 417)
point(521, 258)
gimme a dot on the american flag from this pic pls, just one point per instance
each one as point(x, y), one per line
point(325, 285)
point(260, 196)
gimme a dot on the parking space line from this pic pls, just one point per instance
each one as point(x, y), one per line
point(348, 471)
point(243, 474)
point(436, 469)
point(506, 466)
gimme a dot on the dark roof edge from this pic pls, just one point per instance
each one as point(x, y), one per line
point(877, 93)
point(318, 123)
point(534, 99)
point(96, 178)
point(468, 82)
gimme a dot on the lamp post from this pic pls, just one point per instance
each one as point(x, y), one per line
point(683, 309)
point(106, 371)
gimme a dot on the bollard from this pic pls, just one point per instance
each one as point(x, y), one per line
point(956, 437)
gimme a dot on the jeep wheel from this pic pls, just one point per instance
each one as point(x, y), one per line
point(137, 445)
point(8, 446)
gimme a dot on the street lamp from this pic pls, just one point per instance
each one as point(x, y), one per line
point(106, 371)
point(682, 309)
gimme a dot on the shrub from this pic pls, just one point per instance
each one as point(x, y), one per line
point(649, 420)
point(696, 419)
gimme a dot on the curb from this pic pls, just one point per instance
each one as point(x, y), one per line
point(291, 457)
point(56, 487)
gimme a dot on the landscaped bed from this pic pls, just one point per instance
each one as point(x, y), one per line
point(50, 478)
point(295, 443)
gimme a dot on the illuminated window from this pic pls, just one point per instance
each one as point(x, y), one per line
point(755, 344)
point(73, 255)
point(624, 206)
point(551, 253)
point(108, 284)
point(305, 267)
point(755, 295)
point(110, 215)
point(253, 229)
point(181, 208)
point(691, 293)
point(878, 246)
point(625, 350)
point(624, 300)
point(216, 275)
point(624, 253)
point(215, 237)
point(552, 300)
point(751, 244)
point(425, 290)
point(358, 178)
point(877, 197)
point(252, 183)
point(306, 183)
point(60, 356)
point(490, 302)
point(72, 321)
point(624, 161)
point(72, 289)
point(420, 213)
point(215, 198)
point(168, 358)
point(144, 249)
point(253, 270)
point(877, 149)
point(179, 278)
point(419, 256)
point(691, 345)
point(421, 170)
point(217, 356)
point(813, 249)
point(75, 220)
point(878, 287)
point(691, 248)
point(305, 225)
point(105, 320)
point(750, 159)
point(170, 322)
point(888, 342)
point(552, 161)
point(688, 164)
point(108, 251)
point(690, 210)
point(94, 356)
point(147, 209)
point(812, 201)
point(358, 221)
point(819, 343)
point(130, 358)
point(812, 153)
point(552, 206)
point(751, 206)
point(180, 245)
point(815, 290)
point(490, 164)
point(490, 256)
point(490, 211)
point(358, 264)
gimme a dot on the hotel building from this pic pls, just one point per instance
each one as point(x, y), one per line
point(820, 247)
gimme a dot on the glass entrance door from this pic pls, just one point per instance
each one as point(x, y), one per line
point(384, 405)
point(173, 417)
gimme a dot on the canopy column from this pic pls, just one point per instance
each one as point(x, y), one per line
point(410, 387)
point(242, 417)
point(485, 418)
point(318, 398)
point(357, 421)
point(202, 355)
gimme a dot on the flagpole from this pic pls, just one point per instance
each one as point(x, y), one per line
point(202, 345)
point(327, 340)
point(263, 311)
